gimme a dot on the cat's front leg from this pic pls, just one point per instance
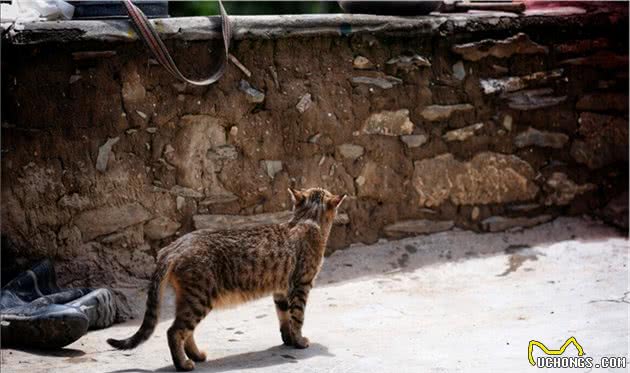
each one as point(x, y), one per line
point(298, 294)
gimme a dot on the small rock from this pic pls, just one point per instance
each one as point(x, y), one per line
point(459, 72)
point(104, 153)
point(434, 113)
point(474, 214)
point(462, 134)
point(532, 99)
point(253, 95)
point(501, 223)
point(360, 180)
point(223, 152)
point(215, 198)
point(362, 63)
point(389, 123)
point(304, 103)
point(507, 122)
point(178, 190)
point(523, 207)
point(74, 79)
point(562, 190)
point(234, 131)
point(272, 167)
point(414, 227)
point(386, 82)
point(408, 63)
point(141, 114)
point(161, 227)
point(74, 201)
point(351, 151)
point(313, 139)
point(151, 129)
point(414, 141)
point(534, 137)
point(517, 44)
point(515, 83)
point(180, 202)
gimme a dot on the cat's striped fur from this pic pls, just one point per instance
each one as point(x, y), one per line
point(210, 270)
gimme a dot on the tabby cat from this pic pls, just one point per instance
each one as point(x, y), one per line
point(211, 270)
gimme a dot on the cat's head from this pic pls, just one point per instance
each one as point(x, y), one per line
point(315, 203)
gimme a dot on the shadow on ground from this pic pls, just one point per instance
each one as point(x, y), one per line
point(277, 355)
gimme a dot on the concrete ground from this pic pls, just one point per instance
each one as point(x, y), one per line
point(449, 302)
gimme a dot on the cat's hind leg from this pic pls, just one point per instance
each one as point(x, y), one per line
point(193, 304)
point(282, 309)
point(193, 352)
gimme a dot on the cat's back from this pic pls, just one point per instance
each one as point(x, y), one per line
point(204, 242)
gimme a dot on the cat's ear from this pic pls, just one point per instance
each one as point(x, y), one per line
point(297, 195)
point(335, 201)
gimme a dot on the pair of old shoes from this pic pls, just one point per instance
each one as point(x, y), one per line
point(36, 313)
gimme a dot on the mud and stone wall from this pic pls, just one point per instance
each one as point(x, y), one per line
point(479, 122)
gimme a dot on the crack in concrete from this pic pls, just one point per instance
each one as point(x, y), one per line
point(625, 298)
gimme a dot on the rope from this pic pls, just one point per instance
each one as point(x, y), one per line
point(151, 39)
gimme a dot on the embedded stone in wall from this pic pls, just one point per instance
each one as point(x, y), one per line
point(105, 220)
point(253, 95)
point(605, 140)
point(532, 99)
point(362, 63)
point(603, 102)
point(223, 152)
point(219, 197)
point(515, 83)
point(459, 72)
point(197, 135)
point(414, 141)
point(74, 201)
point(407, 63)
point(501, 223)
point(160, 227)
point(534, 137)
point(179, 190)
point(133, 91)
point(377, 181)
point(435, 113)
point(389, 123)
point(104, 152)
point(351, 151)
point(487, 178)
point(386, 82)
point(414, 227)
point(272, 167)
point(562, 190)
point(305, 103)
point(462, 134)
point(517, 44)
point(216, 223)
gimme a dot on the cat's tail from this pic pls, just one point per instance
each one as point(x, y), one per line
point(150, 315)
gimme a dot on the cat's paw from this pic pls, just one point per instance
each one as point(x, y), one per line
point(287, 339)
point(301, 342)
point(186, 366)
point(199, 356)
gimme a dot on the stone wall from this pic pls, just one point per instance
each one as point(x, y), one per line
point(483, 123)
